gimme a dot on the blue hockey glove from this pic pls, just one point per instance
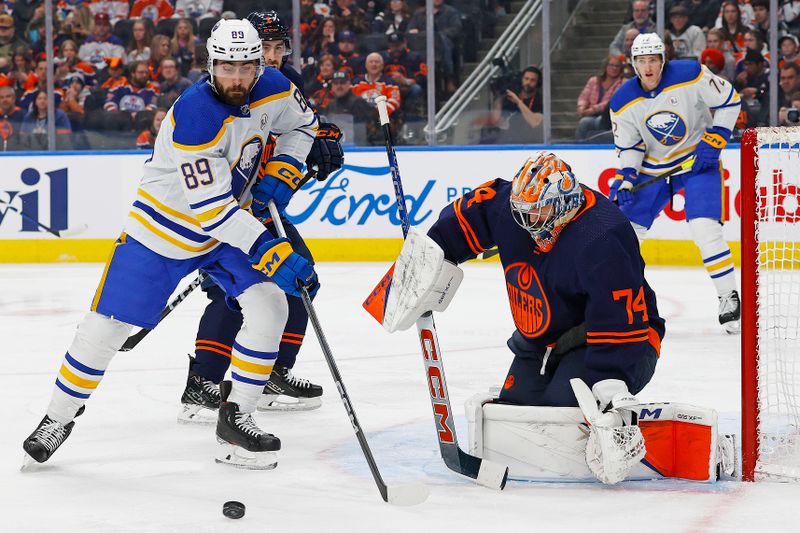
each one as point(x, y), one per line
point(281, 178)
point(706, 155)
point(326, 153)
point(286, 268)
point(620, 191)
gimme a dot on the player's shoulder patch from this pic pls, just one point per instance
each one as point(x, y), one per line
point(271, 85)
point(680, 72)
point(199, 117)
point(628, 93)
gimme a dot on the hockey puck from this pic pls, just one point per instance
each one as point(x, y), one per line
point(233, 510)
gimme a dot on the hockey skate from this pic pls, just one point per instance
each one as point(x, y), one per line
point(242, 443)
point(729, 312)
point(45, 440)
point(286, 392)
point(200, 401)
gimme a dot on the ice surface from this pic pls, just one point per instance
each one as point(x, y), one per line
point(128, 466)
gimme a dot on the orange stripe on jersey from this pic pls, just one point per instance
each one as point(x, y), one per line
point(210, 349)
point(291, 341)
point(214, 343)
point(469, 234)
point(296, 335)
point(655, 341)
point(605, 340)
point(616, 333)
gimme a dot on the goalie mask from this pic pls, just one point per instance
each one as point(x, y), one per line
point(544, 197)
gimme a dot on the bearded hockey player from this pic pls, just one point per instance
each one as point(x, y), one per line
point(219, 323)
point(670, 112)
point(187, 216)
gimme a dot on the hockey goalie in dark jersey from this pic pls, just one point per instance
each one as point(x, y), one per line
point(588, 332)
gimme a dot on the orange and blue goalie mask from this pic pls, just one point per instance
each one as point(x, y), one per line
point(544, 196)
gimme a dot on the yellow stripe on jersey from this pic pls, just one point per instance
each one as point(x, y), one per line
point(209, 144)
point(168, 210)
point(683, 84)
point(626, 106)
point(122, 239)
point(77, 380)
point(213, 213)
point(251, 367)
point(671, 156)
point(169, 238)
point(270, 98)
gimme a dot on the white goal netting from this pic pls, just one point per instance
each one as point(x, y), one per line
point(777, 297)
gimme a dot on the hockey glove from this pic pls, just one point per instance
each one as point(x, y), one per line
point(706, 155)
point(286, 268)
point(620, 192)
point(281, 178)
point(326, 153)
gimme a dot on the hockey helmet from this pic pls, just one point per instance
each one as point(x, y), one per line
point(234, 40)
point(647, 44)
point(270, 27)
point(545, 195)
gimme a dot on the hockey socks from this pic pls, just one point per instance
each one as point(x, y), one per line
point(215, 335)
point(294, 333)
point(717, 259)
point(96, 341)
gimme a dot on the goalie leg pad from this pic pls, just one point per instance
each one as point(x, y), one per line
point(419, 281)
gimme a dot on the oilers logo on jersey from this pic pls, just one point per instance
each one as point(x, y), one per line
point(529, 305)
point(666, 127)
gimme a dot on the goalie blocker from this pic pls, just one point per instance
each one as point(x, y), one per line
point(549, 443)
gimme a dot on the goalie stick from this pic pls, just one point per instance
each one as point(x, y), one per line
point(69, 232)
point(487, 473)
point(410, 494)
point(136, 338)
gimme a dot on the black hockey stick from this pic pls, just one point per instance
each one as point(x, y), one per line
point(70, 232)
point(686, 165)
point(485, 472)
point(411, 494)
point(137, 337)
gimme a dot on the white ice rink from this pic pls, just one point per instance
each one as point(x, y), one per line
point(128, 466)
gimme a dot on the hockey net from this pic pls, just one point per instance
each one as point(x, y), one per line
point(770, 209)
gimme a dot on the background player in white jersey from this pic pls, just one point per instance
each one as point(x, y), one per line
point(186, 216)
point(660, 119)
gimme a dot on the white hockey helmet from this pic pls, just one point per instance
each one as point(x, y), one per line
point(234, 40)
point(646, 44)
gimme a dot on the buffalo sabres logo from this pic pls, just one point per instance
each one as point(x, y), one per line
point(529, 305)
point(667, 127)
point(246, 165)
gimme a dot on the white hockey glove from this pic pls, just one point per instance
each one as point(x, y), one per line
point(615, 442)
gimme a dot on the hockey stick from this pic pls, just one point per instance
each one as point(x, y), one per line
point(686, 165)
point(137, 337)
point(485, 472)
point(57, 232)
point(405, 495)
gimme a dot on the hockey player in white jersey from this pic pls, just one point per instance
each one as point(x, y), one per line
point(671, 112)
point(188, 215)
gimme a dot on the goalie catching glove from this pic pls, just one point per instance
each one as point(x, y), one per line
point(285, 267)
point(326, 153)
point(281, 178)
point(421, 280)
point(615, 443)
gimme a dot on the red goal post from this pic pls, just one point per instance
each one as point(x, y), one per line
point(770, 238)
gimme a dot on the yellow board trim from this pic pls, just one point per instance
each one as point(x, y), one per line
point(169, 238)
point(655, 252)
point(77, 380)
point(254, 368)
point(167, 209)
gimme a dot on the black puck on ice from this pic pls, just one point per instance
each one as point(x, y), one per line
point(233, 509)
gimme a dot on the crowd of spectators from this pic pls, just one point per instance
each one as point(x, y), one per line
point(729, 37)
point(120, 63)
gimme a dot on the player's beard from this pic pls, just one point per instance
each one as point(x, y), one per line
point(235, 95)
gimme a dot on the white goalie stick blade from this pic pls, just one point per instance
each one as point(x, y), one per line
point(492, 475)
point(71, 232)
point(407, 495)
point(586, 400)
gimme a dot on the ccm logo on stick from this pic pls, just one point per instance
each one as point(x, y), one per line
point(436, 387)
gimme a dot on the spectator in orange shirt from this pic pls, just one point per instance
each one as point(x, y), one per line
point(374, 83)
point(159, 50)
point(116, 71)
point(788, 45)
point(154, 10)
point(147, 139)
